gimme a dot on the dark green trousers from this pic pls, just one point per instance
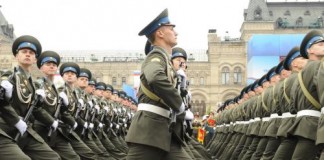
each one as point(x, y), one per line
point(248, 142)
point(200, 149)
point(239, 148)
point(10, 150)
point(252, 148)
point(286, 148)
point(144, 152)
point(305, 149)
point(112, 150)
point(271, 148)
point(81, 148)
point(260, 149)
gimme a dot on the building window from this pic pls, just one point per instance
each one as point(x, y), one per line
point(237, 75)
point(287, 13)
point(322, 13)
point(123, 80)
point(202, 81)
point(307, 13)
point(192, 80)
point(114, 81)
point(258, 13)
point(299, 22)
point(270, 13)
point(225, 75)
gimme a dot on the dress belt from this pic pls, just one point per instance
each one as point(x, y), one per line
point(308, 112)
point(287, 115)
point(154, 109)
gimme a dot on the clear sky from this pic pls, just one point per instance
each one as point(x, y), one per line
point(114, 24)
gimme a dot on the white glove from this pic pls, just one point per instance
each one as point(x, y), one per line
point(97, 108)
point(111, 125)
point(125, 125)
point(189, 115)
point(117, 126)
point(181, 73)
point(90, 104)
point(100, 125)
point(181, 109)
point(8, 87)
point(75, 125)
point(106, 108)
point(65, 98)
point(85, 125)
point(55, 124)
point(91, 125)
point(115, 110)
point(124, 120)
point(40, 92)
point(81, 101)
point(21, 126)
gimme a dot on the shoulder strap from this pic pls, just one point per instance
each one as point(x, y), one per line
point(285, 93)
point(273, 95)
point(152, 96)
point(309, 97)
point(263, 104)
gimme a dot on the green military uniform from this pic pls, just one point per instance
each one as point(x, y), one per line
point(305, 123)
point(287, 143)
point(23, 93)
point(275, 118)
point(70, 118)
point(264, 112)
point(320, 128)
point(44, 114)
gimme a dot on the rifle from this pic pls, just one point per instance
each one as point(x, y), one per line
point(86, 118)
point(173, 114)
point(56, 114)
point(102, 118)
point(29, 112)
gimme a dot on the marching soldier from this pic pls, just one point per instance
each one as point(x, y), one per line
point(20, 97)
point(275, 117)
point(70, 71)
point(47, 115)
point(305, 97)
point(295, 63)
point(149, 135)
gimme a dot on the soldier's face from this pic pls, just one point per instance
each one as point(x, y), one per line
point(98, 92)
point(90, 89)
point(82, 82)
point(169, 35)
point(107, 94)
point(177, 61)
point(49, 68)
point(69, 77)
point(317, 49)
point(26, 57)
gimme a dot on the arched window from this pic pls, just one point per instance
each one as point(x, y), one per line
point(225, 75)
point(114, 81)
point(258, 13)
point(299, 22)
point(237, 75)
point(280, 22)
point(202, 81)
point(287, 13)
point(123, 80)
point(307, 13)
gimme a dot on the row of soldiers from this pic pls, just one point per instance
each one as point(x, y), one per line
point(79, 119)
point(280, 115)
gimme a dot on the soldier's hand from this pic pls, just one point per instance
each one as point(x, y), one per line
point(40, 92)
point(75, 125)
point(85, 125)
point(91, 125)
point(97, 108)
point(181, 109)
point(21, 126)
point(90, 104)
point(81, 102)
point(100, 125)
point(8, 87)
point(55, 125)
point(64, 98)
point(181, 73)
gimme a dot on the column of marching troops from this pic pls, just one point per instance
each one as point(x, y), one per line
point(79, 119)
point(280, 115)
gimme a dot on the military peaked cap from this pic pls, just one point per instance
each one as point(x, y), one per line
point(312, 37)
point(29, 42)
point(48, 56)
point(293, 53)
point(70, 66)
point(161, 20)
